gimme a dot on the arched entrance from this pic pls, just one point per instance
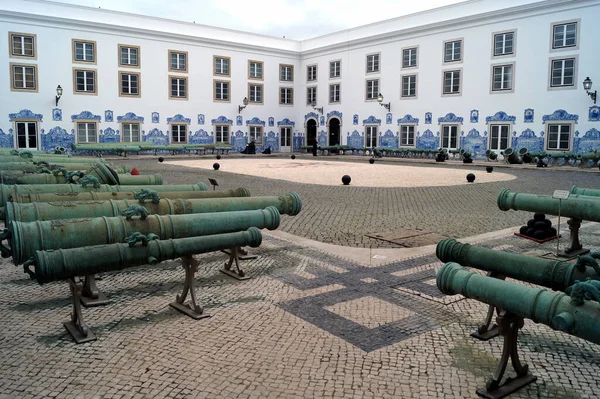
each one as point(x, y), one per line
point(334, 131)
point(311, 132)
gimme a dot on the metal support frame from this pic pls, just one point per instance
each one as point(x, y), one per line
point(192, 309)
point(234, 258)
point(489, 329)
point(509, 325)
point(575, 248)
point(90, 295)
point(77, 327)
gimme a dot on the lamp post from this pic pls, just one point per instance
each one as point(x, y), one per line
point(240, 107)
point(587, 86)
point(387, 106)
point(59, 92)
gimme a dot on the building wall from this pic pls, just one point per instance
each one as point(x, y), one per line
point(473, 22)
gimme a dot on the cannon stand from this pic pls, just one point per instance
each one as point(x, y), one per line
point(91, 295)
point(242, 254)
point(489, 329)
point(509, 324)
point(77, 327)
point(192, 308)
point(234, 258)
point(575, 248)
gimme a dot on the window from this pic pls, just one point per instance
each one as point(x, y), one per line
point(564, 35)
point(178, 133)
point(221, 90)
point(372, 63)
point(502, 77)
point(335, 69)
point(84, 51)
point(409, 86)
point(372, 89)
point(22, 45)
point(131, 132)
point(451, 82)
point(85, 81)
point(311, 95)
point(285, 135)
point(255, 134)
point(129, 56)
point(559, 137)
point(504, 44)
point(286, 96)
point(222, 133)
point(221, 66)
point(453, 51)
point(178, 61)
point(311, 73)
point(562, 72)
point(129, 84)
point(409, 57)
point(26, 134)
point(178, 87)
point(23, 77)
point(255, 93)
point(450, 136)
point(255, 70)
point(499, 135)
point(87, 132)
point(286, 73)
point(334, 93)
point(407, 135)
point(371, 136)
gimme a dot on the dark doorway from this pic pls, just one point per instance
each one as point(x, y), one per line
point(334, 131)
point(311, 132)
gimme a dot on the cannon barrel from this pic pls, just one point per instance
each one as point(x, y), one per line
point(98, 170)
point(552, 309)
point(588, 155)
point(512, 156)
point(126, 195)
point(577, 208)
point(140, 180)
point(288, 204)
point(49, 158)
point(28, 166)
point(585, 191)
point(553, 274)
point(7, 190)
point(61, 264)
point(26, 238)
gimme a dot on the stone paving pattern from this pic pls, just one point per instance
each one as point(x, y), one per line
point(306, 325)
point(343, 215)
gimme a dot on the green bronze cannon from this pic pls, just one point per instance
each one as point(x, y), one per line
point(49, 159)
point(7, 190)
point(30, 167)
point(100, 171)
point(575, 208)
point(140, 180)
point(142, 195)
point(512, 157)
point(571, 314)
point(26, 238)
point(69, 264)
point(585, 191)
point(288, 204)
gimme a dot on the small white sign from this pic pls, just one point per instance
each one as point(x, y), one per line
point(561, 194)
point(379, 257)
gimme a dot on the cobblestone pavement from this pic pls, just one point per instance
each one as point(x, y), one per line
point(344, 215)
point(306, 324)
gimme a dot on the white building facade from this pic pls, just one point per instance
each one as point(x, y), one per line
point(478, 75)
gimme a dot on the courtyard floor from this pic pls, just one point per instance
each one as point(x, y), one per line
point(342, 302)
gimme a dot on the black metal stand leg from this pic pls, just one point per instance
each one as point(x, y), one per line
point(489, 329)
point(77, 327)
point(510, 324)
point(192, 309)
point(91, 295)
point(234, 258)
point(242, 254)
point(575, 248)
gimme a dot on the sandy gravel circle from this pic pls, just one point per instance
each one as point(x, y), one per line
point(363, 174)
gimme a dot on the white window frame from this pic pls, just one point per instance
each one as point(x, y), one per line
point(26, 122)
point(510, 89)
point(87, 124)
point(577, 23)
point(127, 130)
point(369, 133)
point(220, 63)
point(374, 93)
point(563, 124)
point(122, 93)
point(575, 59)
point(337, 68)
point(310, 71)
point(256, 76)
point(281, 136)
point(286, 96)
point(513, 53)
point(411, 50)
point(255, 132)
point(219, 133)
point(23, 69)
point(286, 73)
point(178, 127)
point(457, 93)
point(182, 58)
point(332, 99)
point(498, 125)
point(416, 79)
point(129, 49)
point(311, 95)
point(461, 53)
point(414, 135)
point(256, 93)
point(85, 44)
point(217, 82)
point(22, 36)
point(85, 92)
point(375, 60)
point(178, 95)
point(450, 126)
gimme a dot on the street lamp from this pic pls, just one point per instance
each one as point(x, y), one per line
point(318, 109)
point(59, 92)
point(587, 86)
point(245, 102)
point(387, 106)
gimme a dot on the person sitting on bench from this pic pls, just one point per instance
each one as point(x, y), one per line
point(250, 148)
